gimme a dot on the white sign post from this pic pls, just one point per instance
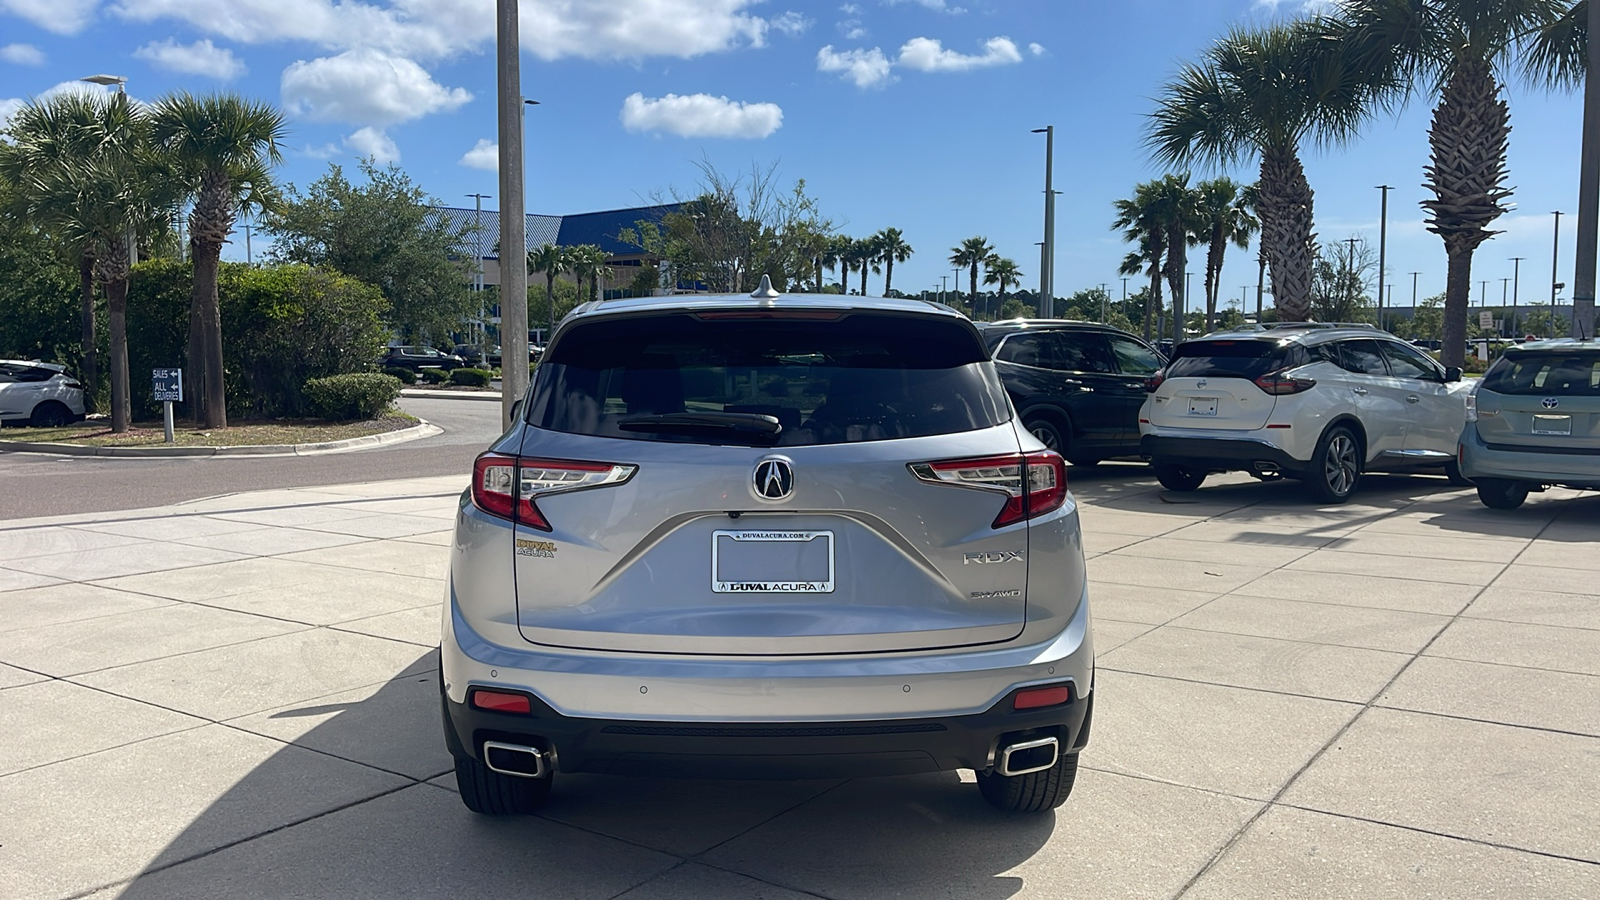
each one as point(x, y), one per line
point(167, 385)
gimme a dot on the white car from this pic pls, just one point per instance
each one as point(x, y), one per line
point(1321, 403)
point(39, 394)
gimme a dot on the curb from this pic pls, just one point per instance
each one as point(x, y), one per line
point(450, 395)
point(421, 430)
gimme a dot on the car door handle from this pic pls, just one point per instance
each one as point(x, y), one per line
point(1413, 399)
point(1361, 391)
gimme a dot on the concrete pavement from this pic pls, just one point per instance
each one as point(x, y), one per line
point(1393, 698)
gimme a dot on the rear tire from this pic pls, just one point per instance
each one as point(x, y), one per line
point(1336, 466)
point(1502, 493)
point(488, 793)
point(50, 414)
point(1032, 793)
point(1049, 430)
point(1179, 478)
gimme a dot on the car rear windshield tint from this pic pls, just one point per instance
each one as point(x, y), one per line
point(1233, 359)
point(862, 377)
point(1550, 374)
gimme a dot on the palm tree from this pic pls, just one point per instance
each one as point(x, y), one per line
point(892, 248)
point(833, 250)
point(224, 148)
point(1176, 207)
point(588, 262)
point(1226, 219)
point(1139, 220)
point(860, 254)
point(1259, 93)
point(552, 261)
point(1001, 271)
point(971, 253)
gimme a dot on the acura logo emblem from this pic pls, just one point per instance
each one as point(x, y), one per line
point(1550, 403)
point(774, 479)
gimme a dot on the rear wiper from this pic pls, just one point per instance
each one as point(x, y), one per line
point(749, 425)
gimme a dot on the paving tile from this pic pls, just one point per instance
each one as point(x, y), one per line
point(67, 603)
point(1560, 555)
point(1513, 604)
point(11, 676)
point(21, 543)
point(382, 556)
point(1533, 790)
point(1213, 577)
point(436, 538)
point(1550, 578)
point(1467, 522)
point(1323, 623)
point(207, 583)
point(13, 580)
point(934, 837)
point(1295, 853)
point(125, 559)
point(266, 674)
point(63, 720)
point(1096, 518)
point(1434, 547)
point(420, 625)
point(1249, 533)
point(1107, 541)
point(392, 726)
point(379, 526)
point(344, 596)
point(1239, 742)
point(1515, 644)
point(1171, 547)
point(1362, 590)
point(99, 819)
point(1135, 603)
point(1448, 571)
point(692, 881)
point(1109, 634)
point(415, 843)
point(1515, 696)
point(118, 640)
point(167, 527)
point(1293, 667)
point(271, 541)
point(292, 516)
point(439, 507)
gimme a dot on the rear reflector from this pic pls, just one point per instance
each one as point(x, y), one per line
point(497, 701)
point(1037, 698)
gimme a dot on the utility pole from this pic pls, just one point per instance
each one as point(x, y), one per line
point(943, 287)
point(513, 222)
point(1047, 274)
point(1505, 292)
point(1555, 263)
point(1350, 270)
point(1588, 187)
point(1414, 292)
point(1383, 247)
point(1516, 283)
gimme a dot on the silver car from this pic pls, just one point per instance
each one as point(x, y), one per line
point(1533, 421)
point(766, 537)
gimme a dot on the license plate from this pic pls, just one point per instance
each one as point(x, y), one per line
point(1203, 406)
point(772, 562)
point(1552, 424)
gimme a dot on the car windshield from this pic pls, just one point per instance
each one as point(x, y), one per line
point(1550, 373)
point(1245, 358)
point(771, 382)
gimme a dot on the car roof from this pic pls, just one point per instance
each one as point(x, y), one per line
point(1562, 345)
point(1009, 326)
point(54, 367)
point(701, 302)
point(1301, 332)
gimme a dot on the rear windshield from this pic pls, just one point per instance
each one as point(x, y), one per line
point(1550, 374)
point(862, 377)
point(1233, 359)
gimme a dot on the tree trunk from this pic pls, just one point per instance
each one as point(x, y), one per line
point(1261, 282)
point(1152, 301)
point(1177, 260)
point(844, 276)
point(1286, 217)
point(818, 282)
point(888, 274)
point(974, 289)
point(205, 309)
point(89, 367)
point(194, 376)
point(864, 268)
point(114, 270)
point(1458, 291)
point(550, 301)
point(1219, 246)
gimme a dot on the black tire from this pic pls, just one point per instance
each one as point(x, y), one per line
point(1179, 478)
point(1050, 431)
point(1502, 493)
point(1452, 471)
point(1032, 793)
point(1335, 469)
point(489, 793)
point(50, 414)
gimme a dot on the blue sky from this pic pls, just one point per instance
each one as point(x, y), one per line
point(907, 113)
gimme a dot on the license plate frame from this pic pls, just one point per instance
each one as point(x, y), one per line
point(1203, 406)
point(1552, 425)
point(732, 585)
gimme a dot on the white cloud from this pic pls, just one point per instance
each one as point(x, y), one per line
point(373, 142)
point(700, 115)
point(936, 5)
point(22, 54)
point(791, 23)
point(59, 16)
point(1036, 49)
point(484, 155)
point(1306, 6)
point(365, 87)
point(928, 55)
point(8, 108)
point(867, 68)
point(199, 58)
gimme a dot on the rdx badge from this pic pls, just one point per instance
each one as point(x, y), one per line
point(991, 558)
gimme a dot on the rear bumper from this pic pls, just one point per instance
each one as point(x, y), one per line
point(1479, 460)
point(1218, 454)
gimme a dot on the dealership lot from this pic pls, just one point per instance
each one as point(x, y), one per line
point(1398, 697)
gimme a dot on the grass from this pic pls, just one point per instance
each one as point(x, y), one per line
point(241, 433)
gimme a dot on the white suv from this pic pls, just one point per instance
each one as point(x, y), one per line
point(40, 394)
point(1321, 403)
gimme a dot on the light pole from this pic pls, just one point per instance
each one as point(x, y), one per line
point(1047, 275)
point(1555, 262)
point(1505, 291)
point(1414, 292)
point(1516, 283)
point(943, 287)
point(1383, 247)
point(513, 220)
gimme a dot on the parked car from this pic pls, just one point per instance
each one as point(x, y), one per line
point(472, 354)
point(39, 394)
point(1534, 421)
point(1319, 403)
point(417, 358)
point(1077, 386)
point(786, 537)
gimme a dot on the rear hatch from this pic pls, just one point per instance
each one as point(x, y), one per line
point(1210, 384)
point(1542, 401)
point(751, 487)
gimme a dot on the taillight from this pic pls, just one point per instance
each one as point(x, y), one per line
point(1472, 405)
point(1046, 474)
point(507, 486)
point(1278, 383)
point(72, 386)
point(1154, 381)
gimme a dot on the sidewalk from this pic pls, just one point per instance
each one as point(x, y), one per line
point(1397, 698)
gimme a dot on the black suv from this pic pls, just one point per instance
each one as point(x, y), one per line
point(419, 358)
point(1078, 386)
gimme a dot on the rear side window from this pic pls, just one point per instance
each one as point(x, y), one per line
point(1549, 374)
point(1027, 350)
point(1082, 352)
point(1362, 357)
point(770, 382)
point(1134, 358)
point(1408, 362)
point(1234, 359)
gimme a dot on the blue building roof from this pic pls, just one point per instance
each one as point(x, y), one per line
point(599, 228)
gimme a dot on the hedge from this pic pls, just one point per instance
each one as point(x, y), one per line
point(470, 377)
point(406, 376)
point(434, 376)
point(360, 395)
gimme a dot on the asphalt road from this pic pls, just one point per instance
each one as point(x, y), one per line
point(38, 485)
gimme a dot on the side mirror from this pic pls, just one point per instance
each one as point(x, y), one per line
point(1452, 374)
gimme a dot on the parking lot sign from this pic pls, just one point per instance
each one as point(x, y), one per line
point(1486, 320)
point(167, 384)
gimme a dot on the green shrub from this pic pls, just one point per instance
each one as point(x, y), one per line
point(406, 376)
point(360, 395)
point(470, 377)
point(433, 376)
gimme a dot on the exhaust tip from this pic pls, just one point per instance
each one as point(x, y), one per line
point(515, 759)
point(1027, 757)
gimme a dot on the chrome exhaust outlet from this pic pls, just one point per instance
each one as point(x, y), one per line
point(1266, 468)
point(1027, 757)
point(515, 759)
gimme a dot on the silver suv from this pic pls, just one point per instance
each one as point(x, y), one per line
point(766, 536)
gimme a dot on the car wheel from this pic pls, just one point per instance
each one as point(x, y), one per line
point(488, 793)
point(50, 414)
point(1049, 432)
point(1034, 792)
point(1336, 466)
point(1502, 493)
point(1179, 478)
point(1452, 471)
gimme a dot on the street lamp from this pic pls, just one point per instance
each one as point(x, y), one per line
point(1383, 247)
point(1047, 275)
point(1516, 282)
point(121, 81)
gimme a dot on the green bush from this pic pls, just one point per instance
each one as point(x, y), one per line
point(360, 395)
point(470, 377)
point(406, 376)
point(433, 376)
